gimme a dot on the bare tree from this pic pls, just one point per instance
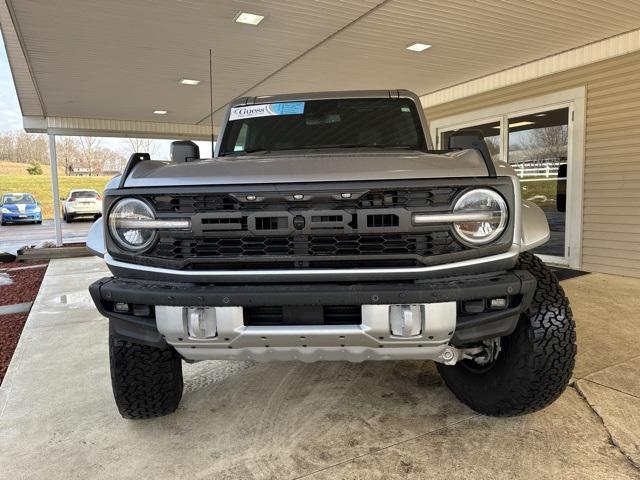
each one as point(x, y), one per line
point(141, 145)
point(545, 145)
point(69, 153)
point(89, 147)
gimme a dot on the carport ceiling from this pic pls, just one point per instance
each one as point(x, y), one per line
point(123, 59)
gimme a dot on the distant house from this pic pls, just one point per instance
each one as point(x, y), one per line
point(78, 171)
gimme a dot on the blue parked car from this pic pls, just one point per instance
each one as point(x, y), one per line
point(19, 208)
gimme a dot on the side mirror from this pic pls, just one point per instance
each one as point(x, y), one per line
point(470, 138)
point(184, 151)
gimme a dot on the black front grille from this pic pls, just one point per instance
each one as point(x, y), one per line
point(434, 243)
point(341, 225)
point(434, 197)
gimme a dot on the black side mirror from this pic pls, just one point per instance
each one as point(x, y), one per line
point(469, 138)
point(184, 151)
point(561, 188)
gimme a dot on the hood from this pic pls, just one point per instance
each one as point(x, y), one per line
point(20, 207)
point(292, 167)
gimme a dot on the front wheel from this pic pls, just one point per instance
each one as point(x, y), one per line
point(146, 380)
point(534, 364)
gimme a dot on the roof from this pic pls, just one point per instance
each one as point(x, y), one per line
point(91, 67)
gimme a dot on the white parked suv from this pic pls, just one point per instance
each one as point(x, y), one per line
point(81, 203)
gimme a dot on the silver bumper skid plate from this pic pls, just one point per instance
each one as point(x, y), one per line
point(402, 331)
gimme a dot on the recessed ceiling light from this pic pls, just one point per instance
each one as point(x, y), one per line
point(540, 115)
point(249, 18)
point(160, 112)
point(187, 81)
point(418, 47)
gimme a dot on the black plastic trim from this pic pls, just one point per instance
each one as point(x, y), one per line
point(134, 160)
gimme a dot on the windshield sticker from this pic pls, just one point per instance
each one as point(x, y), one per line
point(267, 110)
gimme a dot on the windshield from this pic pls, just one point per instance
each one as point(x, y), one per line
point(15, 198)
point(319, 124)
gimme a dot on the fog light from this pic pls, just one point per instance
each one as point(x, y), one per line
point(121, 307)
point(141, 310)
point(405, 320)
point(298, 196)
point(498, 303)
point(473, 306)
point(251, 198)
point(201, 322)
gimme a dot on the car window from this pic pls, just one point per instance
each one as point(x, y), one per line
point(17, 198)
point(87, 194)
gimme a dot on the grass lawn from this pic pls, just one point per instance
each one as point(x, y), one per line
point(40, 186)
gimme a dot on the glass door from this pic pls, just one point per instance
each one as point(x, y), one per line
point(538, 145)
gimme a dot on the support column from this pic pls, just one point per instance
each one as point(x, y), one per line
point(55, 190)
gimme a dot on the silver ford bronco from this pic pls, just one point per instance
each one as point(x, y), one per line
point(327, 227)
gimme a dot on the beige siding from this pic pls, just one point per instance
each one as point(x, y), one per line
point(611, 216)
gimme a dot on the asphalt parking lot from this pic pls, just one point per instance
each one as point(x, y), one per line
point(14, 236)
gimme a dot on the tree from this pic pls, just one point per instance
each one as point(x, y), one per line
point(34, 169)
point(141, 145)
point(89, 147)
point(69, 153)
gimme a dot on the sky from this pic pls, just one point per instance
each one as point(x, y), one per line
point(11, 117)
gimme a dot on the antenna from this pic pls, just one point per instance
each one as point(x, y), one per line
point(211, 99)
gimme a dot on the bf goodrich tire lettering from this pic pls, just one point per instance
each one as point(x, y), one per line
point(536, 361)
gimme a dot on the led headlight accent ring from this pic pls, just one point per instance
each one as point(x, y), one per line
point(127, 224)
point(491, 212)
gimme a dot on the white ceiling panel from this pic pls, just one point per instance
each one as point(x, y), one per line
point(122, 59)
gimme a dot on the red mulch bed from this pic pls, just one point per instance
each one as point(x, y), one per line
point(7, 265)
point(24, 288)
point(10, 330)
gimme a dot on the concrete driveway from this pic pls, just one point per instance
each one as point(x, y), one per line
point(375, 420)
point(14, 236)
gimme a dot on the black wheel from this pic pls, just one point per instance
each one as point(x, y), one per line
point(146, 380)
point(68, 218)
point(3, 223)
point(534, 364)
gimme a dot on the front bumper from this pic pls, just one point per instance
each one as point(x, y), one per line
point(156, 315)
point(21, 217)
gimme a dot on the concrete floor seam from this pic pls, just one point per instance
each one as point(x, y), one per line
point(612, 440)
point(610, 388)
point(584, 377)
point(386, 447)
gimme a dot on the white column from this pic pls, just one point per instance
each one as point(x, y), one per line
point(55, 190)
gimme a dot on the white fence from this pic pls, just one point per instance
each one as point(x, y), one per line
point(538, 170)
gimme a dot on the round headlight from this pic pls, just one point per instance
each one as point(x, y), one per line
point(125, 216)
point(486, 216)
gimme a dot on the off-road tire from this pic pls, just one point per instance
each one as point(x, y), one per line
point(146, 380)
point(536, 361)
